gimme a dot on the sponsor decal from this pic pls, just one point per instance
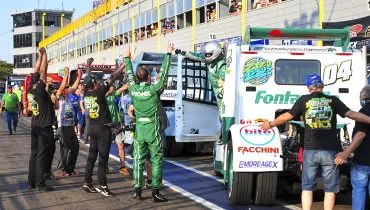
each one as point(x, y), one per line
point(354, 30)
point(333, 72)
point(140, 94)
point(257, 70)
point(169, 94)
point(258, 164)
point(256, 136)
point(287, 98)
point(245, 150)
point(294, 49)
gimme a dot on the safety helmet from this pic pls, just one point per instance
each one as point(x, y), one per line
point(212, 51)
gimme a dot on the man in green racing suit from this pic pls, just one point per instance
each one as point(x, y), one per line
point(216, 61)
point(146, 99)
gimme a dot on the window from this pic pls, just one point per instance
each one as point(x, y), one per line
point(294, 72)
point(22, 20)
point(187, 5)
point(137, 21)
point(179, 7)
point(23, 61)
point(22, 40)
point(211, 14)
point(142, 20)
point(171, 9)
point(163, 9)
point(155, 15)
point(149, 17)
point(200, 3)
point(52, 20)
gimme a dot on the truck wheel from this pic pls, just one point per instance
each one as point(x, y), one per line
point(171, 148)
point(240, 185)
point(266, 184)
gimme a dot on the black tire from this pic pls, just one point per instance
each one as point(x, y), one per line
point(240, 186)
point(266, 184)
point(171, 148)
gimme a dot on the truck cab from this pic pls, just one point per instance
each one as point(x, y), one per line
point(263, 82)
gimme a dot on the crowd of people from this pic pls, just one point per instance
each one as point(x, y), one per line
point(95, 102)
point(322, 155)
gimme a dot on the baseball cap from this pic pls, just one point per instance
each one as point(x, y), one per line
point(313, 79)
point(89, 81)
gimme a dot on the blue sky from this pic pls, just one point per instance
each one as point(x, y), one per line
point(6, 22)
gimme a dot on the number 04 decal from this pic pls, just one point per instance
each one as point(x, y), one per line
point(332, 72)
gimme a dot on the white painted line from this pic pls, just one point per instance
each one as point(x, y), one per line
point(191, 195)
point(196, 171)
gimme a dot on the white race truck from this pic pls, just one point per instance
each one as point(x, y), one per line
point(263, 82)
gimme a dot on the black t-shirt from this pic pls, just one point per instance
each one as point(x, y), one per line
point(43, 112)
point(319, 113)
point(362, 152)
point(97, 107)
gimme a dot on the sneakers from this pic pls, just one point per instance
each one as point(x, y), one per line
point(31, 186)
point(124, 171)
point(10, 133)
point(14, 131)
point(61, 174)
point(104, 191)
point(44, 188)
point(137, 194)
point(88, 187)
point(74, 173)
point(50, 176)
point(157, 197)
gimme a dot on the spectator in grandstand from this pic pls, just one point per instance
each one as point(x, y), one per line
point(321, 142)
point(260, 3)
point(172, 25)
point(99, 132)
point(233, 10)
point(116, 124)
point(12, 107)
point(208, 15)
point(146, 101)
point(69, 146)
point(43, 115)
point(213, 14)
point(239, 6)
point(360, 146)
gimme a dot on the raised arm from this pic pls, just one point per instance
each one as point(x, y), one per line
point(192, 55)
point(164, 69)
point(88, 65)
point(64, 82)
point(75, 84)
point(38, 62)
point(129, 70)
point(122, 89)
point(116, 75)
point(44, 65)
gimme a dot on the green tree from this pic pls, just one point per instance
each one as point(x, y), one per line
point(5, 69)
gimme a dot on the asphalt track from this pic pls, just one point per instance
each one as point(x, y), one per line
point(189, 183)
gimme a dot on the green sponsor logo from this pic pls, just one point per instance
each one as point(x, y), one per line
point(286, 98)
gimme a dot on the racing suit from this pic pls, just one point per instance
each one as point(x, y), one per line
point(146, 99)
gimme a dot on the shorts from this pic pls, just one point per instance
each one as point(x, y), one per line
point(80, 118)
point(316, 161)
point(120, 138)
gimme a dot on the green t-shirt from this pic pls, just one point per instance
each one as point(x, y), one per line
point(10, 102)
point(111, 101)
point(19, 94)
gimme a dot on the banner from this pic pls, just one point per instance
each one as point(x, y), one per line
point(359, 30)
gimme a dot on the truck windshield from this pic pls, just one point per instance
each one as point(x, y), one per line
point(294, 72)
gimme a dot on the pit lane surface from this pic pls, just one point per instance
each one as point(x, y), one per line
point(189, 183)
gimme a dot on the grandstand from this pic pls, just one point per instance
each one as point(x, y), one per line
point(147, 25)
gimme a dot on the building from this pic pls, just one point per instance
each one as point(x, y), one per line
point(27, 33)
point(110, 28)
